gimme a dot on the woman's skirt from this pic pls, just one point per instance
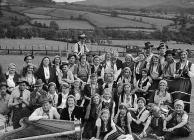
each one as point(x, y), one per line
point(181, 89)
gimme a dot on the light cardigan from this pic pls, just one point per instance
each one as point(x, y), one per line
point(40, 114)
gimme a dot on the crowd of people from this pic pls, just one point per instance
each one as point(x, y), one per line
point(146, 95)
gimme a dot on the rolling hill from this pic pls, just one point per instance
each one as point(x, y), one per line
point(139, 3)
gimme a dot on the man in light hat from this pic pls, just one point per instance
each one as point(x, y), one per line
point(19, 101)
point(46, 111)
point(80, 47)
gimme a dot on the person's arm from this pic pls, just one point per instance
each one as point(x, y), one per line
point(98, 125)
point(56, 114)
point(145, 89)
point(165, 122)
point(70, 78)
point(191, 72)
point(36, 115)
point(129, 122)
point(11, 101)
point(143, 117)
point(147, 124)
point(113, 110)
point(182, 123)
point(114, 129)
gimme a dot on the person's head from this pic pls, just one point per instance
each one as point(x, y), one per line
point(156, 111)
point(123, 108)
point(28, 58)
point(107, 94)
point(144, 72)
point(22, 84)
point(45, 103)
point(148, 48)
point(96, 99)
point(52, 87)
point(71, 101)
point(46, 62)
point(127, 72)
point(162, 48)
point(129, 58)
point(179, 106)
point(12, 68)
point(65, 88)
point(72, 58)
point(30, 68)
point(93, 78)
point(57, 60)
point(105, 114)
point(3, 88)
point(127, 88)
point(109, 77)
point(77, 84)
point(120, 87)
point(169, 55)
point(163, 85)
point(39, 84)
point(141, 102)
point(183, 55)
point(155, 59)
point(90, 57)
point(150, 106)
point(83, 58)
point(108, 56)
point(82, 38)
point(64, 67)
point(96, 60)
point(115, 54)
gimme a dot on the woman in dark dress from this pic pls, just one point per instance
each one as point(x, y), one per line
point(46, 72)
point(72, 112)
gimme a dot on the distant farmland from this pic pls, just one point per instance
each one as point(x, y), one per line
point(67, 24)
point(159, 23)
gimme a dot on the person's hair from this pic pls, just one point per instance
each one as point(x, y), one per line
point(152, 60)
point(41, 64)
point(55, 59)
point(25, 70)
point(82, 56)
point(70, 96)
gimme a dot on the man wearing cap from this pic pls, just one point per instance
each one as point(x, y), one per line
point(46, 111)
point(19, 101)
point(80, 47)
point(36, 94)
point(28, 61)
point(162, 48)
point(148, 53)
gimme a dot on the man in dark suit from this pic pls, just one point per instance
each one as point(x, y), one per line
point(119, 63)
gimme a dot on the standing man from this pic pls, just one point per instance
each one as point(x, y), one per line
point(162, 48)
point(148, 53)
point(80, 47)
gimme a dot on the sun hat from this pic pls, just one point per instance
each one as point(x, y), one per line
point(179, 102)
point(142, 99)
point(148, 45)
point(163, 81)
point(28, 55)
point(22, 80)
point(38, 83)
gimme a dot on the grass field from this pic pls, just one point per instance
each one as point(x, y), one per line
point(37, 16)
point(159, 23)
point(39, 10)
point(67, 24)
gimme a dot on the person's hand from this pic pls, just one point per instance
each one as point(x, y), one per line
point(165, 129)
point(170, 129)
point(44, 117)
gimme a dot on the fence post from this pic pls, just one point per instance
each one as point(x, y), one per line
point(32, 50)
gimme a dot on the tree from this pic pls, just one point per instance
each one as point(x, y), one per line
point(114, 13)
point(54, 25)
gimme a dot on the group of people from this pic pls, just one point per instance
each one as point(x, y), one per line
point(147, 95)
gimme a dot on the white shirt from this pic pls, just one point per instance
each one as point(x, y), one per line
point(83, 48)
point(64, 99)
point(46, 72)
point(40, 114)
point(10, 81)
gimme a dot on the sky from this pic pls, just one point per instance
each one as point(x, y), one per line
point(66, 0)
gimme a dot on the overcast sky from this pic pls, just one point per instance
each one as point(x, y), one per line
point(67, 0)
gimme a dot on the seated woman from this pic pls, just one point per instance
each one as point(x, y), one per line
point(128, 98)
point(122, 119)
point(91, 116)
point(155, 71)
point(161, 97)
point(139, 117)
point(106, 128)
point(108, 102)
point(125, 76)
point(52, 93)
point(154, 124)
point(62, 97)
point(29, 75)
point(65, 75)
point(142, 85)
point(47, 111)
point(71, 111)
point(176, 124)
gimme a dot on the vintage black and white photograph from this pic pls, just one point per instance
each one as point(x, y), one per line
point(96, 69)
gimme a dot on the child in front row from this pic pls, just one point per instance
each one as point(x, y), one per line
point(176, 124)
